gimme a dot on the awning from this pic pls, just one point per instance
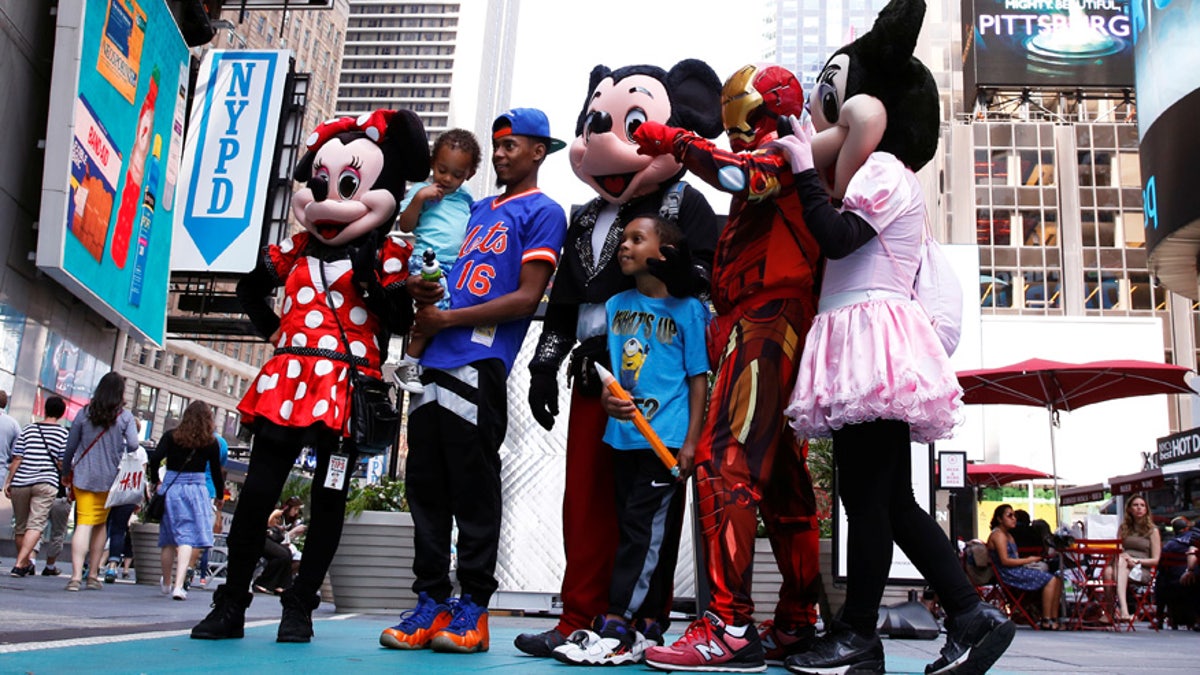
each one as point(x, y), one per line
point(1082, 494)
point(1136, 482)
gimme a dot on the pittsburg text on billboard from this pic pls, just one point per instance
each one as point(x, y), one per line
point(1047, 43)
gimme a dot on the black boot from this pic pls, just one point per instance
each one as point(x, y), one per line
point(227, 618)
point(296, 624)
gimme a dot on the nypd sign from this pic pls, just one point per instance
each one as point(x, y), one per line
point(227, 160)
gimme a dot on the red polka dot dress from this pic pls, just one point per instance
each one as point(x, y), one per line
point(307, 380)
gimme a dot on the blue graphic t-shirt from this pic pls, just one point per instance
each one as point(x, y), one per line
point(502, 235)
point(655, 344)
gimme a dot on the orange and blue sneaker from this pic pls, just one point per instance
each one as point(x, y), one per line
point(418, 625)
point(468, 630)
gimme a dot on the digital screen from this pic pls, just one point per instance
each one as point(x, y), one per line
point(1047, 43)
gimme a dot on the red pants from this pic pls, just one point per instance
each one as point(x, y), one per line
point(589, 516)
point(749, 462)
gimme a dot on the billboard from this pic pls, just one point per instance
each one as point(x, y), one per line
point(1046, 43)
point(1168, 97)
point(117, 99)
point(227, 160)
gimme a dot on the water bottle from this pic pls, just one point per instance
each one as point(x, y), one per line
point(430, 270)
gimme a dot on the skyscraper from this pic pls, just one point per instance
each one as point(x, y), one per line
point(802, 34)
point(449, 62)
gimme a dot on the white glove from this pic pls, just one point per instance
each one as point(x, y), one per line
point(797, 146)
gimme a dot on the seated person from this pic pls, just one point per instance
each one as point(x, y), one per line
point(1029, 542)
point(283, 524)
point(1141, 545)
point(1175, 587)
point(1013, 570)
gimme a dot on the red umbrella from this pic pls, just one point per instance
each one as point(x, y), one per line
point(995, 475)
point(1056, 385)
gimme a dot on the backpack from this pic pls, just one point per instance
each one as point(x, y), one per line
point(937, 289)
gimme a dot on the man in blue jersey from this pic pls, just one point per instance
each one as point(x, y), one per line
point(456, 426)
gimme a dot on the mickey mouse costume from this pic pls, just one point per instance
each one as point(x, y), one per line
point(341, 268)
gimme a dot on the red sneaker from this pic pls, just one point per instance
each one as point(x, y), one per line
point(707, 645)
point(778, 644)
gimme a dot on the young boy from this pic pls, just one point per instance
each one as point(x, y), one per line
point(456, 426)
point(657, 348)
point(436, 212)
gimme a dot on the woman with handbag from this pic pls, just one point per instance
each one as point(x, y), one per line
point(187, 520)
point(102, 432)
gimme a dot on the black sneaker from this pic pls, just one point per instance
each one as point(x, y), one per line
point(227, 618)
point(540, 644)
point(974, 641)
point(21, 571)
point(296, 623)
point(50, 571)
point(841, 651)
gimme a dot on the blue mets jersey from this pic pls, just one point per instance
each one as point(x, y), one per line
point(502, 235)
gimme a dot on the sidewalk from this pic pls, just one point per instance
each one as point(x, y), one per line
point(129, 628)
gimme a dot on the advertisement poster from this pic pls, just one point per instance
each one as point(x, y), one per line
point(225, 177)
point(120, 68)
point(1048, 43)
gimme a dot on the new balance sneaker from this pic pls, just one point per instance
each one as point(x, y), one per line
point(408, 377)
point(840, 651)
point(778, 644)
point(707, 644)
point(418, 625)
point(468, 630)
point(974, 641)
point(609, 643)
point(539, 644)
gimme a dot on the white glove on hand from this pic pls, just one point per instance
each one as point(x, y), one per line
point(797, 146)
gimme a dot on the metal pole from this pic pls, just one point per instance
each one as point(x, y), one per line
point(1054, 469)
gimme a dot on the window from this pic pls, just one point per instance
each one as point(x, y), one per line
point(175, 407)
point(145, 400)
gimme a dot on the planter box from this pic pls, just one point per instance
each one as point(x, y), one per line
point(147, 556)
point(372, 571)
point(767, 580)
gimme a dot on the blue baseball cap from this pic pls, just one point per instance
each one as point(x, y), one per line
point(526, 122)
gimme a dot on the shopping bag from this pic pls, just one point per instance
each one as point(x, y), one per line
point(129, 485)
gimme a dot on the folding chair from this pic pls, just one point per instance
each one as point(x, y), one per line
point(1018, 604)
point(1143, 600)
point(1095, 598)
point(982, 577)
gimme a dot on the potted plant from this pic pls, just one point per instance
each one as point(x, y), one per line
point(372, 571)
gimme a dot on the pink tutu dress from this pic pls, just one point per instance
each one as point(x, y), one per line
point(871, 352)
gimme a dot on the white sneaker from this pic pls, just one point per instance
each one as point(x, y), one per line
point(179, 594)
point(163, 586)
point(606, 648)
point(408, 377)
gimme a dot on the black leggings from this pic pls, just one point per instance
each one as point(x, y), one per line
point(271, 460)
point(874, 468)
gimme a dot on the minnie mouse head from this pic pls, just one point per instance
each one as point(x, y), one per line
point(354, 173)
point(604, 155)
point(876, 96)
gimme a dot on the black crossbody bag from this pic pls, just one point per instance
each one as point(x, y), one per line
point(374, 421)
